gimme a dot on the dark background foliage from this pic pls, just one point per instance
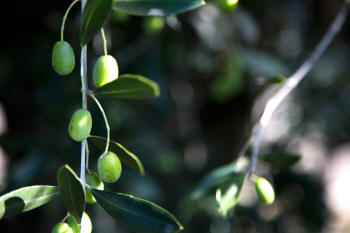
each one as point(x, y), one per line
point(211, 68)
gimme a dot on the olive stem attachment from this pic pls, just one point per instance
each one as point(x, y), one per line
point(105, 119)
point(65, 17)
point(104, 41)
point(289, 85)
point(65, 217)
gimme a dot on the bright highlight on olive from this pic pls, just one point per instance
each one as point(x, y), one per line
point(62, 227)
point(86, 225)
point(80, 125)
point(227, 6)
point(105, 70)
point(264, 190)
point(109, 167)
point(63, 60)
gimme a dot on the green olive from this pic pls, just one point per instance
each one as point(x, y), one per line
point(264, 190)
point(63, 59)
point(80, 125)
point(227, 5)
point(153, 24)
point(62, 227)
point(94, 181)
point(109, 167)
point(105, 70)
point(120, 16)
point(86, 226)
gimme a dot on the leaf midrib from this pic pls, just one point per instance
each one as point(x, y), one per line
point(125, 90)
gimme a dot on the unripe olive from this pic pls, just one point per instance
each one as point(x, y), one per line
point(105, 70)
point(86, 226)
point(63, 59)
point(153, 24)
point(264, 190)
point(80, 125)
point(94, 181)
point(120, 16)
point(227, 5)
point(109, 167)
point(62, 227)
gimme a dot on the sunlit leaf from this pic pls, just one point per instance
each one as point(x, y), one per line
point(156, 7)
point(27, 198)
point(135, 214)
point(94, 16)
point(72, 191)
point(124, 155)
point(280, 159)
point(129, 86)
point(228, 193)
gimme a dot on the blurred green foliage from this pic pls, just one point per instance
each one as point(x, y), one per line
point(210, 67)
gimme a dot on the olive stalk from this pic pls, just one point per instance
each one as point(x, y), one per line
point(105, 119)
point(290, 84)
point(65, 17)
point(104, 41)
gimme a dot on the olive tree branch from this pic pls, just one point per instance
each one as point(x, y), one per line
point(274, 102)
point(83, 74)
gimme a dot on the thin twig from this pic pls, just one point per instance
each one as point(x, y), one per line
point(106, 122)
point(65, 17)
point(274, 102)
point(83, 73)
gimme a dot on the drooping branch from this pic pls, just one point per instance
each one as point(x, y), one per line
point(291, 83)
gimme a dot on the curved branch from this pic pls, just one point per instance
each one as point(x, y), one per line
point(291, 83)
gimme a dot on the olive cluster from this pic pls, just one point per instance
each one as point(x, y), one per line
point(79, 128)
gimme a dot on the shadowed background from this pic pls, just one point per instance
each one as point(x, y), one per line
point(211, 67)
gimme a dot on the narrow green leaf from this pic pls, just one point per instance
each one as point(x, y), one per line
point(230, 82)
point(94, 16)
point(227, 194)
point(281, 160)
point(72, 191)
point(218, 177)
point(135, 214)
point(124, 155)
point(26, 198)
point(276, 79)
point(129, 86)
point(156, 7)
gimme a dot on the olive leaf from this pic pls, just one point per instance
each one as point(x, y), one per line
point(124, 155)
point(94, 16)
point(26, 198)
point(276, 79)
point(129, 86)
point(156, 7)
point(136, 214)
point(218, 177)
point(228, 193)
point(72, 191)
point(280, 160)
